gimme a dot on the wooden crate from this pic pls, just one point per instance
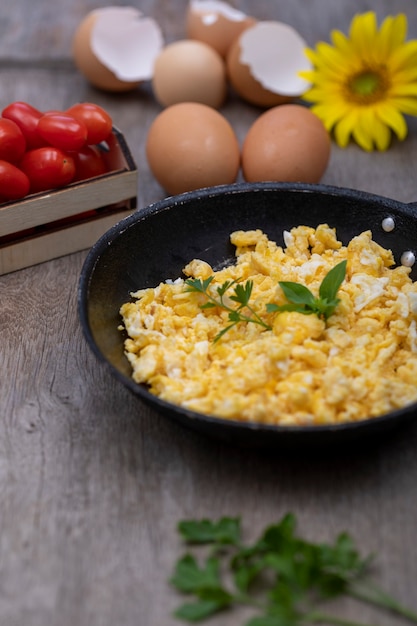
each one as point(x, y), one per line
point(49, 225)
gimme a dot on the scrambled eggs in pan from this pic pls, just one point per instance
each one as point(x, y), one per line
point(360, 363)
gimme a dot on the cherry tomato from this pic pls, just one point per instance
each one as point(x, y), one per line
point(98, 121)
point(89, 162)
point(62, 131)
point(26, 117)
point(47, 168)
point(12, 141)
point(14, 184)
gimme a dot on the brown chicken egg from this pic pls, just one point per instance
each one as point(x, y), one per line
point(287, 143)
point(264, 62)
point(189, 71)
point(115, 48)
point(216, 23)
point(191, 145)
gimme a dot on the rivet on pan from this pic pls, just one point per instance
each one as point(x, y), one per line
point(388, 224)
point(408, 258)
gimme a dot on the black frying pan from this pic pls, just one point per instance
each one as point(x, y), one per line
point(155, 243)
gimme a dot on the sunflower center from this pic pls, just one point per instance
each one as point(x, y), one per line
point(367, 86)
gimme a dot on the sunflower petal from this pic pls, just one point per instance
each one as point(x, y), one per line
point(362, 131)
point(404, 90)
point(329, 115)
point(311, 55)
point(408, 106)
point(341, 42)
point(382, 135)
point(407, 76)
point(390, 116)
point(392, 33)
point(344, 128)
point(363, 32)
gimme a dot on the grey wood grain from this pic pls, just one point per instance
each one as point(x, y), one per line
point(92, 483)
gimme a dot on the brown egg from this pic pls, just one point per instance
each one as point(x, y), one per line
point(191, 145)
point(115, 48)
point(286, 143)
point(216, 23)
point(264, 62)
point(189, 71)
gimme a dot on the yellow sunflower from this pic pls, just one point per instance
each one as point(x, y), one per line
point(364, 84)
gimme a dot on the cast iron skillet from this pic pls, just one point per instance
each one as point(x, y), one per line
point(154, 244)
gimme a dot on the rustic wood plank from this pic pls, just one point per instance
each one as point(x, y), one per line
point(92, 483)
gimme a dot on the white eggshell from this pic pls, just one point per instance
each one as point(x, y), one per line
point(126, 42)
point(264, 62)
point(115, 48)
point(275, 54)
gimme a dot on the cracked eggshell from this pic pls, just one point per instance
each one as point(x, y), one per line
point(115, 48)
point(216, 23)
point(189, 71)
point(264, 61)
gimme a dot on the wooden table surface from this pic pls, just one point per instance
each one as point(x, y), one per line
point(93, 483)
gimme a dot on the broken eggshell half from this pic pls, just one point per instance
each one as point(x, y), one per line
point(264, 62)
point(115, 47)
point(216, 23)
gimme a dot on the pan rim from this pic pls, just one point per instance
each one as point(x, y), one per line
point(242, 187)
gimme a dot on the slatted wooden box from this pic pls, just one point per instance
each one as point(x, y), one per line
point(45, 226)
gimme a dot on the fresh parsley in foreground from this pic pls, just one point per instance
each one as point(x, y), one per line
point(283, 576)
point(299, 297)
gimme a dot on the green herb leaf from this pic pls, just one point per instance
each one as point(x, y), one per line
point(196, 284)
point(224, 531)
point(332, 282)
point(243, 293)
point(279, 308)
point(205, 583)
point(189, 576)
point(245, 574)
point(282, 575)
point(225, 287)
point(197, 611)
point(297, 293)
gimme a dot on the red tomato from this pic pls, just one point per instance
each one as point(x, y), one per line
point(47, 168)
point(89, 162)
point(12, 141)
point(26, 117)
point(14, 184)
point(98, 121)
point(62, 131)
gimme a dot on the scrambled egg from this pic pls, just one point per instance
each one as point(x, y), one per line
point(360, 363)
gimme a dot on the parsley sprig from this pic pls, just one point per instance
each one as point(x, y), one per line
point(241, 295)
point(299, 297)
point(283, 576)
